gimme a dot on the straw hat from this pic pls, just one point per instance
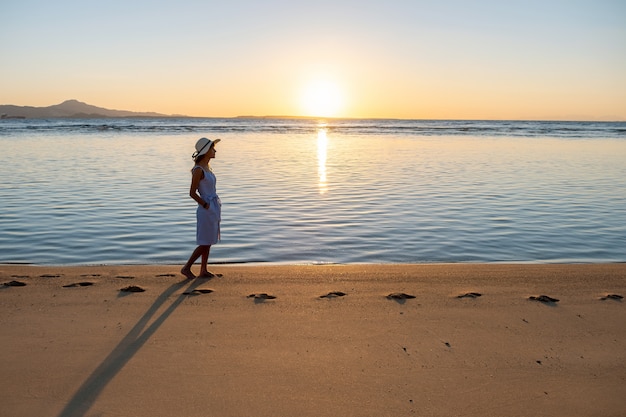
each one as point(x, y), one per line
point(202, 146)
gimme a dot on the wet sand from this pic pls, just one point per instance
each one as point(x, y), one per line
point(356, 340)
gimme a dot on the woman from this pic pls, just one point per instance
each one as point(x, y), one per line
point(208, 213)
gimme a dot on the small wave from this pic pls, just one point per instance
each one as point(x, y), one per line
point(365, 127)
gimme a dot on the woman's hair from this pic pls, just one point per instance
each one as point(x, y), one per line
point(200, 158)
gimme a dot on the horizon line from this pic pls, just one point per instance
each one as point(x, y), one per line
point(153, 114)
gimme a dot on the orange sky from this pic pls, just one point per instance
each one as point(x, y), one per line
point(397, 59)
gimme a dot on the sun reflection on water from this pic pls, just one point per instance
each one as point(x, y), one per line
point(322, 146)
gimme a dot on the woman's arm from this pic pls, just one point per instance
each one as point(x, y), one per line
point(196, 177)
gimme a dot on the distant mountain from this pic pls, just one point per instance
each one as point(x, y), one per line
point(69, 109)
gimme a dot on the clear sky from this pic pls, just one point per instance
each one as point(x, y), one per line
point(443, 59)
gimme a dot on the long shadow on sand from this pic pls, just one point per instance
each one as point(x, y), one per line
point(89, 391)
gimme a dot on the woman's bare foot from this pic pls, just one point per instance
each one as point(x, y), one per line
point(206, 274)
point(187, 272)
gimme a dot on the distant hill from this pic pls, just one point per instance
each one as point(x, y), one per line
point(69, 109)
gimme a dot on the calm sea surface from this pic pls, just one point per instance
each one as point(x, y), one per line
point(115, 191)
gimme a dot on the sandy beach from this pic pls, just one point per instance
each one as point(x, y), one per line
point(314, 341)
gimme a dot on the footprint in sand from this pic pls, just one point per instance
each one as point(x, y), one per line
point(210, 275)
point(544, 299)
point(49, 276)
point(469, 295)
point(333, 294)
point(198, 291)
point(262, 296)
point(78, 284)
point(90, 275)
point(400, 296)
point(20, 276)
point(615, 297)
point(165, 275)
point(125, 277)
point(132, 288)
point(14, 284)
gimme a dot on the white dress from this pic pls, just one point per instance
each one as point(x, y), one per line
point(208, 219)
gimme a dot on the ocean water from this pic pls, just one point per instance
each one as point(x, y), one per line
point(303, 191)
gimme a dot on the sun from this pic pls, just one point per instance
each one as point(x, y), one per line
point(322, 98)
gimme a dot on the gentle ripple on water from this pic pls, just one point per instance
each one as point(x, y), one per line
point(314, 197)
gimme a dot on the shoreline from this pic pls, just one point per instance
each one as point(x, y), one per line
point(299, 264)
point(221, 347)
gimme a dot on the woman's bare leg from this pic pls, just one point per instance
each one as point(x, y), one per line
point(203, 265)
point(200, 251)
